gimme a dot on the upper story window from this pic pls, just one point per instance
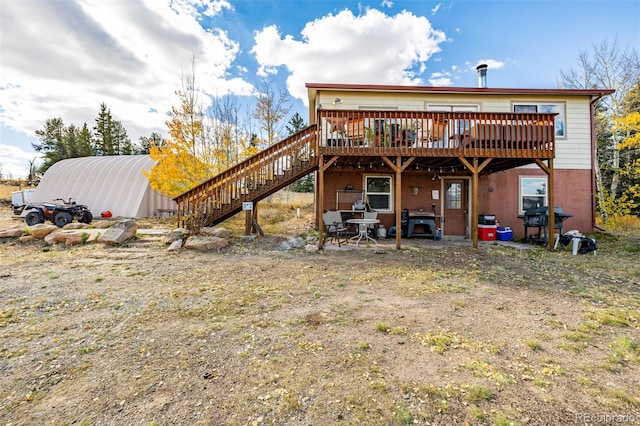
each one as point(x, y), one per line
point(546, 107)
point(453, 108)
point(378, 191)
point(533, 192)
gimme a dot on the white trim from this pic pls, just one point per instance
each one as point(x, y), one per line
point(467, 226)
point(521, 178)
point(390, 193)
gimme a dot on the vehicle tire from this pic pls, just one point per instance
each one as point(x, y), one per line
point(62, 218)
point(33, 218)
point(86, 217)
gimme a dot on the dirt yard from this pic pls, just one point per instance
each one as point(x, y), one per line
point(253, 335)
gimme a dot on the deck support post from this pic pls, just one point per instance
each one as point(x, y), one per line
point(320, 207)
point(398, 204)
point(475, 168)
point(398, 167)
point(551, 205)
point(322, 167)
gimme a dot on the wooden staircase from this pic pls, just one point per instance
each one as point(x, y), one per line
point(253, 179)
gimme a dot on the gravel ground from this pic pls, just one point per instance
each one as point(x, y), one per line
point(133, 334)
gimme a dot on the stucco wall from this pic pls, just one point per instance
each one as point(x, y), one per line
point(572, 193)
point(335, 181)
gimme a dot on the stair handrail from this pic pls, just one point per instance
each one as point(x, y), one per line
point(255, 161)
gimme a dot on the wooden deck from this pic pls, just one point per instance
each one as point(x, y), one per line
point(436, 139)
point(448, 142)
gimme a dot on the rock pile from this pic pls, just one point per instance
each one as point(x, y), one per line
point(116, 232)
point(112, 233)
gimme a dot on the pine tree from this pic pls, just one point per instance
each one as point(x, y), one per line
point(52, 144)
point(296, 123)
point(146, 143)
point(104, 138)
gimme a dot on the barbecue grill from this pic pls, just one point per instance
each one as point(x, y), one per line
point(538, 217)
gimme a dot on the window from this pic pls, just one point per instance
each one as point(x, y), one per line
point(452, 108)
point(452, 127)
point(454, 196)
point(533, 192)
point(378, 191)
point(557, 108)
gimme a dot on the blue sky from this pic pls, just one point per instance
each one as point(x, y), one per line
point(64, 58)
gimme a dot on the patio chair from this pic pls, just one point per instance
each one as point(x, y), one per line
point(437, 132)
point(371, 229)
point(356, 132)
point(334, 227)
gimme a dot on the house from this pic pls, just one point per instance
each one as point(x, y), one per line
point(442, 155)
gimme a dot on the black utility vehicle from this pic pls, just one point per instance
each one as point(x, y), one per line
point(59, 212)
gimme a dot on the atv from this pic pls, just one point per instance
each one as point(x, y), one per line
point(60, 212)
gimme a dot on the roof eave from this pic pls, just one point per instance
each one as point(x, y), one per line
point(313, 88)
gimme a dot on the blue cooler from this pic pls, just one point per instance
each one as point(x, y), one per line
point(504, 234)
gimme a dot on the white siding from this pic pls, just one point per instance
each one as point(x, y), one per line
point(572, 151)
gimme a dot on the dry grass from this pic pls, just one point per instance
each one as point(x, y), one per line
point(7, 189)
point(255, 335)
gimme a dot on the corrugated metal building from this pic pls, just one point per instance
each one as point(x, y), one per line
point(113, 183)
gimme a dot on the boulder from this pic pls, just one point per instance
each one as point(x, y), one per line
point(94, 234)
point(175, 235)
point(51, 237)
point(311, 248)
point(285, 246)
point(102, 224)
point(25, 239)
point(76, 225)
point(296, 242)
point(13, 232)
point(176, 245)
point(216, 232)
point(41, 230)
point(119, 233)
point(203, 242)
point(70, 237)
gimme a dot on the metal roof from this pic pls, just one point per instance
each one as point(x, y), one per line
point(114, 183)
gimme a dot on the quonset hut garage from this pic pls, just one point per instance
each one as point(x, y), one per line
point(108, 183)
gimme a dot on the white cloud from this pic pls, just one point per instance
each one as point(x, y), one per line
point(492, 64)
point(368, 49)
point(436, 8)
point(441, 79)
point(387, 3)
point(14, 161)
point(62, 59)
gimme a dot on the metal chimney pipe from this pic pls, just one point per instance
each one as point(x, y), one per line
point(482, 75)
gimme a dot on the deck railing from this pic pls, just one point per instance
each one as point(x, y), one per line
point(366, 133)
point(436, 134)
point(251, 180)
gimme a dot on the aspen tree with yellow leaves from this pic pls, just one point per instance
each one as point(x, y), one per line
point(612, 67)
point(202, 141)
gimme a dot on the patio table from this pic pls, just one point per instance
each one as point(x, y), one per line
point(363, 225)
